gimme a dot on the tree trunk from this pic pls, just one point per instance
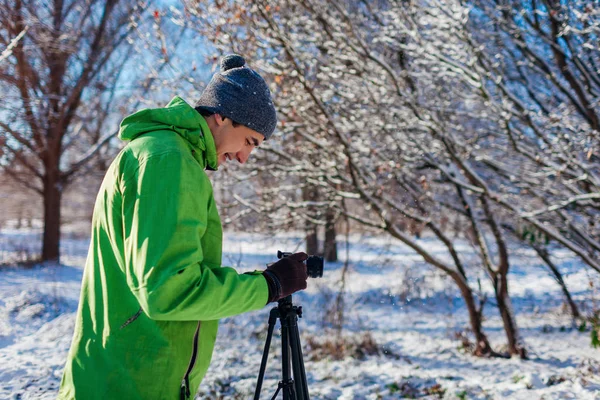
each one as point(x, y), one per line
point(52, 200)
point(482, 345)
point(310, 194)
point(515, 347)
point(312, 242)
point(330, 249)
point(543, 253)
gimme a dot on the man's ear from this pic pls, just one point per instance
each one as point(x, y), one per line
point(219, 119)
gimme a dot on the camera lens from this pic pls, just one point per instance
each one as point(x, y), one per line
point(314, 266)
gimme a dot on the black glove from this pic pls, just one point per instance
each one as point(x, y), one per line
point(286, 276)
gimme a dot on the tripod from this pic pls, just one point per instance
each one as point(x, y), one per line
point(293, 389)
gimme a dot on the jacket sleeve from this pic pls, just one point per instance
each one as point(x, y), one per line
point(165, 214)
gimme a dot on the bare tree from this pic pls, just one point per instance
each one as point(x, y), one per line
point(60, 84)
point(430, 111)
point(336, 98)
point(538, 62)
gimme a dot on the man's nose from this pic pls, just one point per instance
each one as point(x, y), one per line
point(242, 156)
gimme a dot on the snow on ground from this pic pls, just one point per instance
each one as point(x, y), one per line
point(408, 309)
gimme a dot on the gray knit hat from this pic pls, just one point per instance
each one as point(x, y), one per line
point(240, 94)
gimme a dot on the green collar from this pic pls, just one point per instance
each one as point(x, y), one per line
point(211, 150)
point(201, 139)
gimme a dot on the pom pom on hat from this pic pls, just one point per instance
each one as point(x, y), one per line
point(232, 61)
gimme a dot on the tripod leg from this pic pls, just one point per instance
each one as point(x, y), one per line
point(297, 360)
point(296, 387)
point(263, 363)
point(287, 382)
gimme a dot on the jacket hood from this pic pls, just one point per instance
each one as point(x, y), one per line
point(180, 118)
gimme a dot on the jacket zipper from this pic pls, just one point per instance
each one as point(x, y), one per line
point(184, 390)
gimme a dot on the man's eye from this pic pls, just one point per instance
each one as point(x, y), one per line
point(248, 143)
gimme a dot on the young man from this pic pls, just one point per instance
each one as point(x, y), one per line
point(153, 288)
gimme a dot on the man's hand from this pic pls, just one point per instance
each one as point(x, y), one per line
point(286, 276)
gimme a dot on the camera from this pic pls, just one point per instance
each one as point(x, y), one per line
point(314, 264)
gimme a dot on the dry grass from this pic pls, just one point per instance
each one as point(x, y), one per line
point(338, 347)
point(465, 343)
point(15, 253)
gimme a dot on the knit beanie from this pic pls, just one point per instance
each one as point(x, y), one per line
point(240, 94)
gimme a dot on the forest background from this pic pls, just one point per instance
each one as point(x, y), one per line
point(458, 121)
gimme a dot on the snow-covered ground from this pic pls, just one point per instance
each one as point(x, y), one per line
point(408, 310)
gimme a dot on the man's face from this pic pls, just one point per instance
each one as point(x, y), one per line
point(234, 143)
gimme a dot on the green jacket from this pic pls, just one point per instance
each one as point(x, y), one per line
point(153, 287)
